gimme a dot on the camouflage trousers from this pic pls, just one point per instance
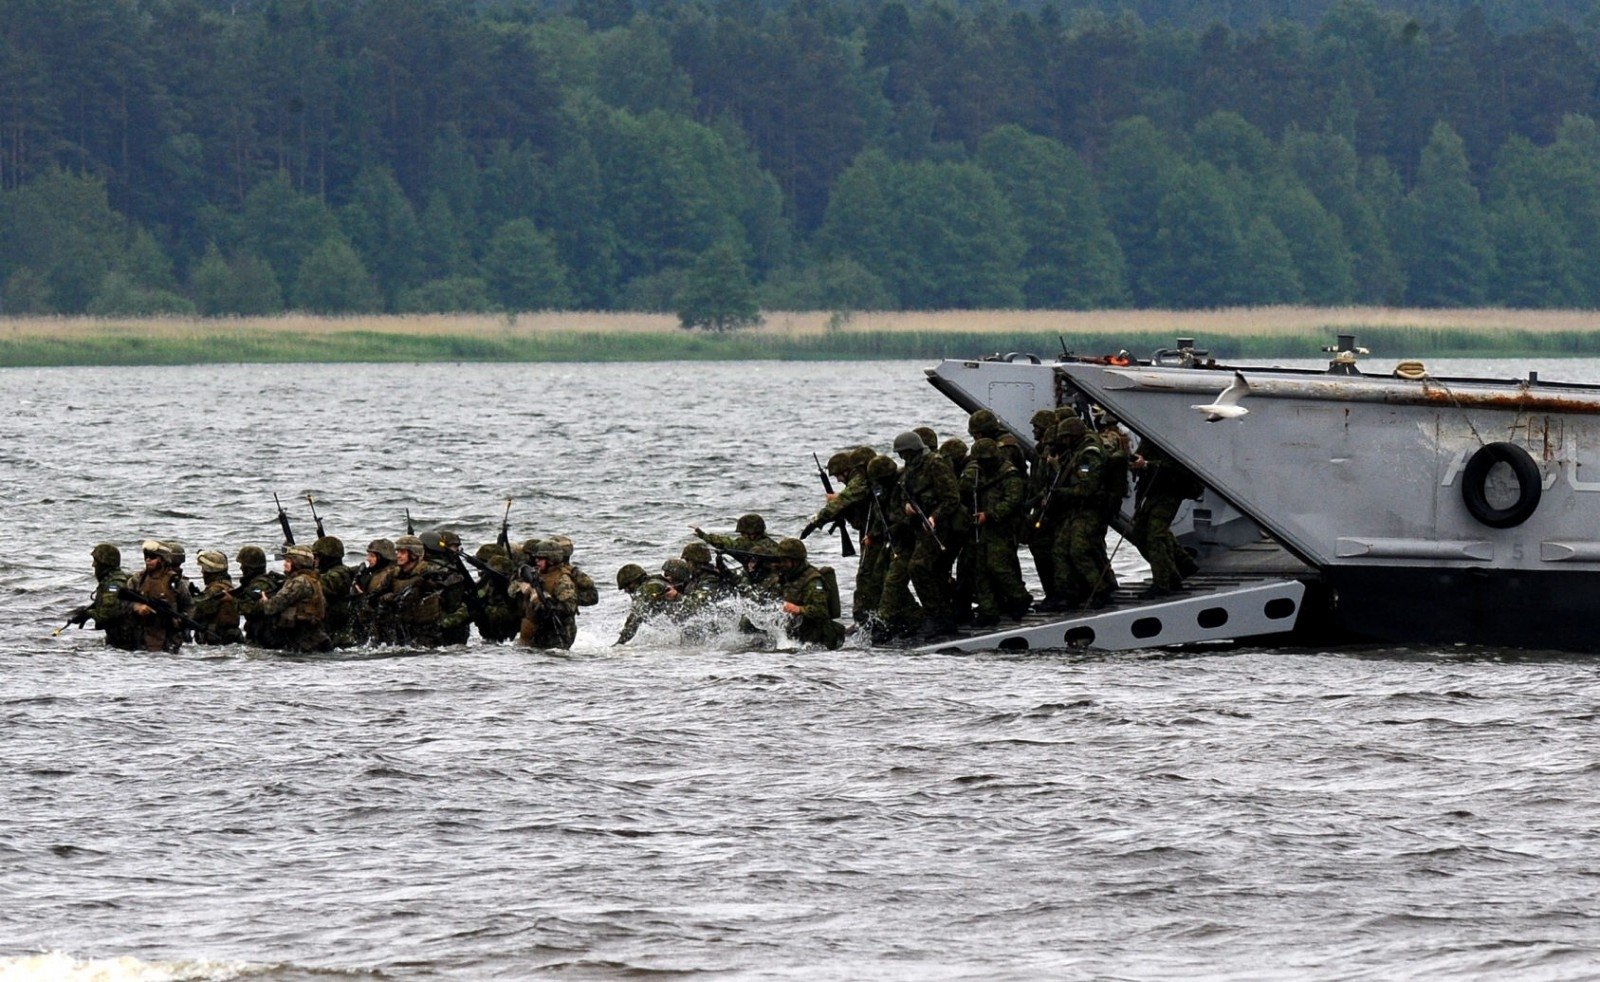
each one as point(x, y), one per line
point(1082, 570)
point(870, 572)
point(1152, 535)
point(1042, 545)
point(996, 574)
point(930, 577)
point(898, 611)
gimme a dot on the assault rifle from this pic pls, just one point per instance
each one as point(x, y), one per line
point(410, 528)
point(846, 547)
point(321, 534)
point(79, 616)
point(927, 523)
point(526, 573)
point(500, 580)
point(1041, 508)
point(283, 521)
point(504, 539)
point(755, 563)
point(165, 609)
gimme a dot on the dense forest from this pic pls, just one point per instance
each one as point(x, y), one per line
point(345, 156)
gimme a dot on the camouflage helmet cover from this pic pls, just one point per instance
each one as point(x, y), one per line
point(446, 539)
point(411, 544)
point(985, 449)
point(676, 570)
point(861, 456)
point(106, 554)
point(697, 552)
point(549, 550)
point(751, 526)
point(382, 548)
point(530, 546)
point(1070, 430)
point(882, 468)
point(839, 463)
point(983, 422)
point(173, 553)
point(488, 551)
point(630, 575)
point(1042, 420)
point(565, 542)
point(212, 561)
point(929, 437)
point(953, 449)
point(252, 557)
point(329, 547)
point(300, 557)
point(791, 548)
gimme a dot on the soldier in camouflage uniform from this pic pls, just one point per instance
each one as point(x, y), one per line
point(411, 607)
point(849, 503)
point(929, 438)
point(298, 610)
point(338, 591)
point(707, 582)
point(158, 581)
point(372, 581)
point(254, 581)
point(109, 613)
point(807, 598)
point(883, 480)
point(1081, 572)
point(457, 599)
point(984, 423)
point(1163, 486)
point(550, 609)
point(1039, 529)
point(216, 607)
point(928, 484)
point(999, 493)
point(588, 593)
point(752, 547)
point(498, 615)
point(652, 597)
point(176, 557)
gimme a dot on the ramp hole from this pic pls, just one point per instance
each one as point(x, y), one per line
point(1212, 617)
point(1146, 627)
point(1278, 609)
point(1013, 644)
point(1080, 636)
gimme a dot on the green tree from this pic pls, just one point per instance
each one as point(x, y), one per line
point(1199, 245)
point(1536, 265)
point(835, 284)
point(1138, 169)
point(121, 296)
point(382, 225)
point(523, 269)
point(244, 287)
point(1316, 244)
point(284, 227)
point(1072, 260)
point(62, 228)
point(333, 280)
point(1267, 274)
point(458, 294)
point(1449, 258)
point(717, 294)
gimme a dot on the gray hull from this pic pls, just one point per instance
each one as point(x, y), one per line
point(1426, 510)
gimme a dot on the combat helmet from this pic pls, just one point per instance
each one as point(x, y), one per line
point(411, 544)
point(630, 576)
point(212, 561)
point(1069, 431)
point(953, 449)
point(751, 526)
point(107, 555)
point(382, 548)
point(529, 547)
point(300, 557)
point(1041, 422)
point(173, 553)
point(929, 438)
point(791, 548)
point(839, 464)
point(676, 571)
point(697, 553)
point(983, 422)
point(909, 444)
point(446, 539)
point(881, 468)
point(861, 456)
point(253, 557)
point(565, 542)
point(548, 549)
point(329, 547)
point(984, 449)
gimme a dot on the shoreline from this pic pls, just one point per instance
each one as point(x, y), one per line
point(1288, 332)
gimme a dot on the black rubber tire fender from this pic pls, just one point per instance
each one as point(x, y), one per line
point(1474, 480)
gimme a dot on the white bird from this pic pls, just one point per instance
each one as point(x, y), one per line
point(1227, 405)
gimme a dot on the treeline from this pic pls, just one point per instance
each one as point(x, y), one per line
point(428, 155)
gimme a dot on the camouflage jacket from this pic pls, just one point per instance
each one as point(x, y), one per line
point(651, 598)
point(850, 504)
point(806, 589)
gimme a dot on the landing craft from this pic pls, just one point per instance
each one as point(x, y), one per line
point(1340, 505)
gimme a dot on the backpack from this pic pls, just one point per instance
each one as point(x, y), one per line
point(830, 579)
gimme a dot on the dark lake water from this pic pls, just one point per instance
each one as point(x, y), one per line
point(664, 810)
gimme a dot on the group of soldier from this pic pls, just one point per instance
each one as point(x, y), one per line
point(941, 531)
point(940, 535)
point(416, 590)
